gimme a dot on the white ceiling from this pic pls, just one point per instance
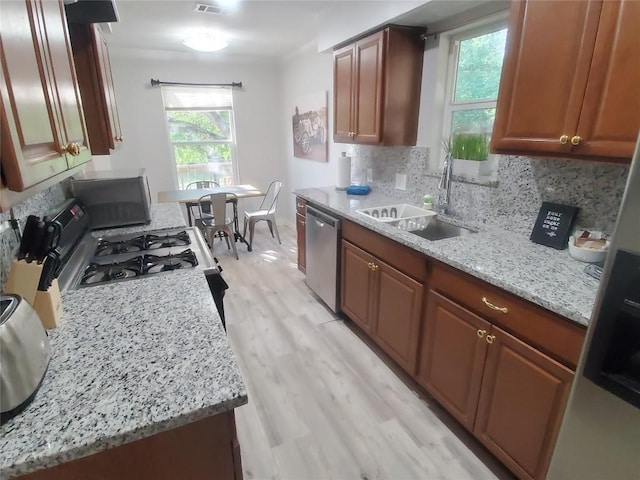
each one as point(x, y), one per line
point(266, 28)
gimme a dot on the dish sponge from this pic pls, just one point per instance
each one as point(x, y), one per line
point(358, 190)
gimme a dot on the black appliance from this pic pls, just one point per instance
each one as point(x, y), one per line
point(88, 261)
point(613, 361)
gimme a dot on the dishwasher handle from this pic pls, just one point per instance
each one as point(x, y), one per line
point(322, 218)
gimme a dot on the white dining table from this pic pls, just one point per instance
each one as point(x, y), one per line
point(191, 196)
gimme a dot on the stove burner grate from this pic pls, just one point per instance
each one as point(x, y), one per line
point(96, 273)
point(180, 239)
point(108, 247)
point(164, 263)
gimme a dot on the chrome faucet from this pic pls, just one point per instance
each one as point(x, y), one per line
point(444, 188)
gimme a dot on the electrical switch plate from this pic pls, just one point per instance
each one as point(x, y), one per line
point(401, 181)
point(369, 174)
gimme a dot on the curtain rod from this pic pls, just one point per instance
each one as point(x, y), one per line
point(155, 83)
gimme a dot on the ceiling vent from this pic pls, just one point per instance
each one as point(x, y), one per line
point(213, 9)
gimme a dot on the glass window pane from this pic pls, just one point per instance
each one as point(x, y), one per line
point(473, 121)
point(199, 126)
point(479, 67)
point(204, 162)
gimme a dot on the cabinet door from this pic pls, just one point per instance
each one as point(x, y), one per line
point(31, 139)
point(301, 232)
point(343, 77)
point(610, 116)
point(522, 401)
point(368, 89)
point(107, 85)
point(398, 307)
point(452, 356)
point(357, 285)
point(544, 76)
point(64, 81)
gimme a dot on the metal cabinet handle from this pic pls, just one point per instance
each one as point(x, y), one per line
point(576, 140)
point(481, 333)
point(119, 139)
point(564, 139)
point(372, 266)
point(494, 307)
point(300, 205)
point(72, 149)
point(490, 339)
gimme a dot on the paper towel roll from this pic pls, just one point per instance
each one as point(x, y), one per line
point(344, 172)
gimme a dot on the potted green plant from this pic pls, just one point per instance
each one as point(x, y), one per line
point(470, 152)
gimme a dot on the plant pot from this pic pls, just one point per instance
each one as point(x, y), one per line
point(475, 168)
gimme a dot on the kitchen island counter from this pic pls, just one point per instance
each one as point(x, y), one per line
point(129, 360)
point(545, 276)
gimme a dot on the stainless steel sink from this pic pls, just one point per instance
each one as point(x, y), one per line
point(439, 230)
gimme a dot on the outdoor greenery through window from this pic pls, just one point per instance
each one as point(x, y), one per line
point(475, 68)
point(200, 126)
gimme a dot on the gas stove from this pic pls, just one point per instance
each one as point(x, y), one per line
point(90, 261)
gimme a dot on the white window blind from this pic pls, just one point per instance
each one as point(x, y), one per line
point(196, 98)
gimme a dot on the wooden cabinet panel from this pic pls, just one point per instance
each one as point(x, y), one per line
point(65, 82)
point(368, 94)
point(343, 72)
point(452, 357)
point(376, 84)
point(610, 116)
point(31, 139)
point(301, 225)
point(93, 68)
point(522, 401)
point(397, 313)
point(544, 75)
point(357, 285)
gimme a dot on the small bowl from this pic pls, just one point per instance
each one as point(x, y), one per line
point(587, 255)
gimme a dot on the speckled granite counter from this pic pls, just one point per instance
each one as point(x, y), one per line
point(129, 360)
point(547, 277)
point(163, 215)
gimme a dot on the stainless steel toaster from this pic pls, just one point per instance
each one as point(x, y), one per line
point(24, 355)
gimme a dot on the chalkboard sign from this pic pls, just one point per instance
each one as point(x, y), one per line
point(553, 225)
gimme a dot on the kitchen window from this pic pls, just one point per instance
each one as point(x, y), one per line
point(201, 133)
point(475, 65)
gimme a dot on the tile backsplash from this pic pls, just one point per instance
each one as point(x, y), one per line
point(40, 204)
point(511, 202)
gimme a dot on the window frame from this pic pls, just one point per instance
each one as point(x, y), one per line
point(231, 141)
point(455, 38)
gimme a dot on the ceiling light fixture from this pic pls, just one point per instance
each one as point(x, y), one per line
point(205, 42)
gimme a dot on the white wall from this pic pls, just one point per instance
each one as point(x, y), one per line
point(305, 73)
point(146, 143)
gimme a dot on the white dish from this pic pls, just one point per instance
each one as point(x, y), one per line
point(587, 255)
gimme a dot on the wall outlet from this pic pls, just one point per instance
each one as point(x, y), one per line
point(369, 174)
point(401, 181)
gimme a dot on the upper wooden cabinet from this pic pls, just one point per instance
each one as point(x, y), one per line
point(43, 129)
point(569, 80)
point(376, 88)
point(93, 67)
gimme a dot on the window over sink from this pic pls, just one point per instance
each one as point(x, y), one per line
point(201, 132)
point(473, 78)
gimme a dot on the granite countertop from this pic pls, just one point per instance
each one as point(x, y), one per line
point(545, 276)
point(129, 360)
point(163, 215)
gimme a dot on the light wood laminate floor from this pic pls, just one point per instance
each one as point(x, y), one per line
point(322, 403)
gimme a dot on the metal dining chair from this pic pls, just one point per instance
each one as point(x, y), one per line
point(267, 214)
point(216, 221)
point(200, 184)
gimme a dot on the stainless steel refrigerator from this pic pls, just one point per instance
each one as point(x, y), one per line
point(600, 433)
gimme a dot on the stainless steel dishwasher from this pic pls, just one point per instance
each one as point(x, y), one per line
point(323, 233)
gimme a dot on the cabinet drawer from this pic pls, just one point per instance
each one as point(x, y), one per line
point(558, 337)
point(406, 260)
point(301, 206)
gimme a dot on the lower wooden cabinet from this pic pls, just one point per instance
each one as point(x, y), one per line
point(384, 302)
point(301, 225)
point(510, 395)
point(522, 401)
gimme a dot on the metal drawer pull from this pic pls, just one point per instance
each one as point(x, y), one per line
point(494, 307)
point(481, 333)
point(300, 205)
point(490, 338)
